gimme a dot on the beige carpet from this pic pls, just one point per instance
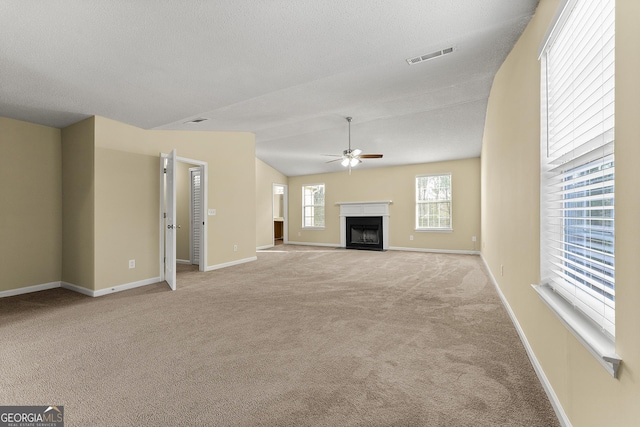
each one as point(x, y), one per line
point(301, 337)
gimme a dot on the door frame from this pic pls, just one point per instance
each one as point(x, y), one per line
point(204, 185)
point(285, 212)
point(202, 214)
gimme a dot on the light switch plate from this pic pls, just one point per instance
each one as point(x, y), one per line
point(212, 212)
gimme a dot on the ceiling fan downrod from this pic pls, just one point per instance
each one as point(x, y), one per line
point(349, 120)
point(350, 157)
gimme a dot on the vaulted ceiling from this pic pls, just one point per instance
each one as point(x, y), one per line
point(289, 71)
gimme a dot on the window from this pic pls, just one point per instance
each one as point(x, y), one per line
point(577, 161)
point(433, 202)
point(313, 206)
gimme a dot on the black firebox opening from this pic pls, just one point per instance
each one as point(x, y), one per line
point(364, 232)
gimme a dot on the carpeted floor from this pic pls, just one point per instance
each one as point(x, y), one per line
point(301, 337)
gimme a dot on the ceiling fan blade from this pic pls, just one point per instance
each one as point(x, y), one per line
point(332, 155)
point(370, 156)
point(335, 160)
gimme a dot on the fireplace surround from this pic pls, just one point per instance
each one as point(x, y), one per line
point(377, 212)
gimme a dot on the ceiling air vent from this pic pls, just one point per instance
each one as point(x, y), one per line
point(198, 120)
point(428, 56)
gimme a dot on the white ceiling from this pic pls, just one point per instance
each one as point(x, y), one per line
point(288, 70)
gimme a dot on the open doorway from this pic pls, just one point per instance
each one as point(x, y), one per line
point(188, 213)
point(189, 217)
point(280, 209)
point(183, 231)
point(196, 214)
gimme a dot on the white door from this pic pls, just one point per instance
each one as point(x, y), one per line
point(196, 215)
point(171, 226)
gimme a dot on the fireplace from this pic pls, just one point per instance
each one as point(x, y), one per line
point(371, 220)
point(364, 232)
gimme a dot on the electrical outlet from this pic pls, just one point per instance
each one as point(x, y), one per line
point(235, 248)
point(411, 237)
point(132, 263)
point(473, 238)
point(211, 212)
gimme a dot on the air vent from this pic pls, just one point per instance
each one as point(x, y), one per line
point(198, 120)
point(427, 56)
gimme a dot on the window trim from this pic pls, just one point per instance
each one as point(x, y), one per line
point(582, 327)
point(314, 227)
point(558, 21)
point(416, 201)
point(587, 331)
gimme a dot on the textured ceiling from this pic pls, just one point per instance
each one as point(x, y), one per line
point(288, 70)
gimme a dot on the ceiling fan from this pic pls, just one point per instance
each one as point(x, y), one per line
point(352, 158)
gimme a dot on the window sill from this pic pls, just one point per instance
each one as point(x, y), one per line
point(313, 228)
point(602, 348)
point(434, 230)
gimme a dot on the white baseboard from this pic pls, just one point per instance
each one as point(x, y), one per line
point(332, 245)
point(393, 248)
point(183, 261)
point(551, 394)
point(437, 251)
point(126, 286)
point(29, 289)
point(76, 288)
point(110, 290)
point(260, 248)
point(230, 263)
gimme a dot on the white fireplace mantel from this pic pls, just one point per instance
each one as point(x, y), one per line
point(377, 208)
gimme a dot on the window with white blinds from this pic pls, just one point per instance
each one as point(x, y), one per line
point(433, 202)
point(313, 206)
point(577, 160)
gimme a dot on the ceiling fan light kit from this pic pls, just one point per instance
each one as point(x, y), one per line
point(352, 158)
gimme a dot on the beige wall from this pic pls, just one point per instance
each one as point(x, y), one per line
point(31, 195)
point(278, 205)
point(510, 223)
point(396, 184)
point(627, 392)
point(78, 204)
point(127, 201)
point(127, 178)
point(266, 176)
point(88, 201)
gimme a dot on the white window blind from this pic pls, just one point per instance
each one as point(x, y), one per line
point(578, 167)
point(433, 202)
point(313, 206)
point(196, 216)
